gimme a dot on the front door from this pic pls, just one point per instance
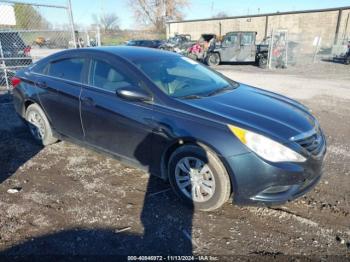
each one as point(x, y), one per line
point(230, 48)
point(247, 47)
point(111, 123)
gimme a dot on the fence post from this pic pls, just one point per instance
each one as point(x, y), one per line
point(270, 49)
point(3, 65)
point(98, 36)
point(70, 14)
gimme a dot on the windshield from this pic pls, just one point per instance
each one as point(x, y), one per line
point(182, 77)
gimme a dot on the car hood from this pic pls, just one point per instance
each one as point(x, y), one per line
point(258, 110)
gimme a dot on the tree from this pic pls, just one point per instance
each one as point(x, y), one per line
point(27, 17)
point(221, 14)
point(156, 13)
point(108, 22)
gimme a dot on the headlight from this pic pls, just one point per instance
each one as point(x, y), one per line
point(266, 147)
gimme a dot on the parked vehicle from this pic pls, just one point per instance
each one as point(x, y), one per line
point(178, 43)
point(14, 53)
point(238, 47)
point(43, 42)
point(347, 56)
point(209, 136)
point(344, 58)
point(199, 50)
point(145, 43)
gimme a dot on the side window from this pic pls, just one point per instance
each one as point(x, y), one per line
point(41, 68)
point(70, 69)
point(231, 40)
point(248, 38)
point(105, 76)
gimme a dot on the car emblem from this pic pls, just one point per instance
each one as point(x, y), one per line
point(316, 143)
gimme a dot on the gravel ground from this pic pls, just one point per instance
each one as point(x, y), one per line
point(69, 200)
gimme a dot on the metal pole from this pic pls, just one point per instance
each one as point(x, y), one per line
point(340, 12)
point(70, 14)
point(270, 49)
point(3, 65)
point(98, 36)
point(266, 25)
point(346, 27)
point(287, 44)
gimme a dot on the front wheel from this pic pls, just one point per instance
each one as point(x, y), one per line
point(199, 178)
point(213, 59)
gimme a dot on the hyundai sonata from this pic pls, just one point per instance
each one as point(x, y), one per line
point(210, 136)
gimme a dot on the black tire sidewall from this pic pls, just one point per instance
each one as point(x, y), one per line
point(262, 62)
point(347, 61)
point(48, 137)
point(208, 59)
point(222, 181)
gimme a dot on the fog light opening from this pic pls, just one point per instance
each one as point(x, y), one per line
point(276, 189)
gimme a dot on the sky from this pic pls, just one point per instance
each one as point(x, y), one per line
point(83, 10)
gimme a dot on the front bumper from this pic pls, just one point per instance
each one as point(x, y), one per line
point(256, 181)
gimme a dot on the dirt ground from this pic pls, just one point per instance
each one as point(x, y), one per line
point(74, 201)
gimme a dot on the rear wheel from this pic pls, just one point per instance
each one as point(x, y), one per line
point(347, 60)
point(213, 59)
point(199, 178)
point(39, 125)
point(262, 62)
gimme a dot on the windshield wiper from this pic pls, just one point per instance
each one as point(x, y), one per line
point(190, 97)
point(220, 90)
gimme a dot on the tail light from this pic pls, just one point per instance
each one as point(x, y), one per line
point(27, 50)
point(15, 81)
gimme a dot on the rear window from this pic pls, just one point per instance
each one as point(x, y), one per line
point(69, 69)
point(40, 68)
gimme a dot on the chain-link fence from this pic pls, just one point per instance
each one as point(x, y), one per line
point(30, 31)
point(290, 49)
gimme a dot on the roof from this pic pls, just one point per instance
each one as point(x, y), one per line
point(134, 53)
point(131, 53)
point(262, 15)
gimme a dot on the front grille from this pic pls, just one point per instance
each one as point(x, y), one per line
point(313, 143)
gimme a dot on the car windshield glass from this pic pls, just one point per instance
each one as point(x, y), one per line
point(182, 77)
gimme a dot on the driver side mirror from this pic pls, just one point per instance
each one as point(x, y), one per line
point(133, 94)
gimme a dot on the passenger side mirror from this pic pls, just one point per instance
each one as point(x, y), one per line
point(133, 94)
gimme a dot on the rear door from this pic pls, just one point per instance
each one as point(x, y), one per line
point(60, 88)
point(230, 47)
point(247, 47)
point(111, 123)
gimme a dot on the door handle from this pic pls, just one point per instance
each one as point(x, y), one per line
point(88, 101)
point(41, 84)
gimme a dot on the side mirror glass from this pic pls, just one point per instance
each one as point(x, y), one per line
point(133, 94)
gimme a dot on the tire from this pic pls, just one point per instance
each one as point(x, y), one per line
point(215, 174)
point(39, 125)
point(347, 60)
point(262, 62)
point(213, 59)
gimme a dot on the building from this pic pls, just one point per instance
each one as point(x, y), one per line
point(331, 25)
